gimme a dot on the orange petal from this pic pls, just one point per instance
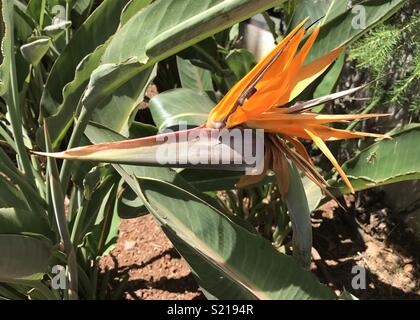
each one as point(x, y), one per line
point(296, 65)
point(312, 118)
point(274, 83)
point(308, 73)
point(331, 134)
point(323, 147)
point(273, 88)
point(225, 106)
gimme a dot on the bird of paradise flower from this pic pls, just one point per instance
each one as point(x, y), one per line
point(258, 101)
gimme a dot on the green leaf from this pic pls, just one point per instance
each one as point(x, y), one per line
point(203, 54)
point(223, 255)
point(10, 196)
point(174, 25)
point(16, 220)
point(324, 10)
point(105, 231)
point(180, 105)
point(341, 29)
point(118, 109)
point(23, 257)
point(35, 50)
point(132, 8)
point(240, 61)
point(59, 123)
point(129, 205)
point(193, 77)
point(8, 169)
point(24, 24)
point(386, 161)
point(7, 28)
point(100, 25)
point(300, 216)
point(205, 180)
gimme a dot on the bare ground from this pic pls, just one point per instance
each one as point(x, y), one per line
point(368, 238)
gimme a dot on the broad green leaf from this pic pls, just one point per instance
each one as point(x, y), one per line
point(100, 25)
point(59, 123)
point(104, 234)
point(204, 55)
point(180, 106)
point(9, 170)
point(23, 256)
point(308, 8)
point(386, 161)
point(80, 12)
point(16, 220)
point(174, 25)
point(139, 130)
point(35, 50)
point(240, 61)
point(323, 11)
point(223, 255)
point(24, 25)
point(193, 77)
point(335, 8)
point(7, 136)
point(345, 27)
point(129, 205)
point(118, 109)
point(10, 196)
point(300, 216)
point(7, 26)
point(205, 180)
point(132, 8)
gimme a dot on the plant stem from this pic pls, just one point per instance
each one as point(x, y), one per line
point(79, 218)
point(81, 123)
point(42, 13)
point(108, 215)
point(68, 11)
point(13, 109)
